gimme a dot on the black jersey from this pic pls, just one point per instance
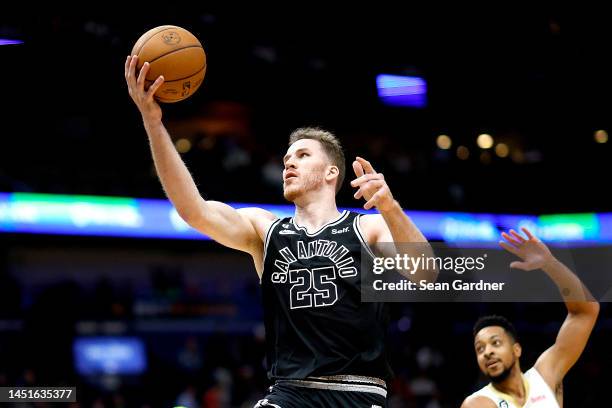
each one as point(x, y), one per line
point(316, 324)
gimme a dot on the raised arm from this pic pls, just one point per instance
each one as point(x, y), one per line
point(391, 225)
point(582, 309)
point(242, 229)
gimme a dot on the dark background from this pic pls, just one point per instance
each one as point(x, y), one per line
point(537, 80)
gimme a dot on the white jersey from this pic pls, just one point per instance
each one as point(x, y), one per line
point(539, 394)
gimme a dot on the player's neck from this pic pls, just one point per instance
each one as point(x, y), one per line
point(314, 214)
point(513, 385)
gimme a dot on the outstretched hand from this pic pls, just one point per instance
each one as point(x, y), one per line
point(143, 98)
point(533, 252)
point(371, 186)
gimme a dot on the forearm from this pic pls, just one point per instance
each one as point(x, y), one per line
point(401, 226)
point(172, 172)
point(576, 296)
point(409, 240)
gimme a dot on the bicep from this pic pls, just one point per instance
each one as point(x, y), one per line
point(375, 229)
point(573, 336)
point(232, 228)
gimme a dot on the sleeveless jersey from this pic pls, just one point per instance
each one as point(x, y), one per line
point(316, 324)
point(539, 394)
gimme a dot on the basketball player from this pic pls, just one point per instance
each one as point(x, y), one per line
point(498, 350)
point(325, 348)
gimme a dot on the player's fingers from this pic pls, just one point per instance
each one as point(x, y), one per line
point(369, 204)
point(131, 76)
point(367, 167)
point(357, 169)
point(126, 67)
point(359, 180)
point(518, 236)
point(508, 247)
point(510, 239)
point(373, 201)
point(155, 86)
point(368, 189)
point(142, 75)
point(365, 178)
point(372, 186)
point(527, 232)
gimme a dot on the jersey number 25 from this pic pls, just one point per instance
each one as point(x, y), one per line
point(313, 286)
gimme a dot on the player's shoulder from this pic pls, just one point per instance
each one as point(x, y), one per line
point(371, 225)
point(532, 372)
point(369, 220)
point(260, 218)
point(477, 401)
point(256, 213)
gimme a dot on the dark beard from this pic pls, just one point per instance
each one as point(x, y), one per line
point(501, 377)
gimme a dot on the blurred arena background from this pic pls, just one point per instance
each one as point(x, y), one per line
point(148, 322)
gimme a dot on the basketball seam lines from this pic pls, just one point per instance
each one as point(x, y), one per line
point(151, 36)
point(178, 79)
point(173, 51)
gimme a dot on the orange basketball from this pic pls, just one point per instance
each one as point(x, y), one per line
point(176, 54)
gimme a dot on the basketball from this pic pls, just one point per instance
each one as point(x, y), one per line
point(176, 54)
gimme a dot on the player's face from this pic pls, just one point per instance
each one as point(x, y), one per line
point(496, 352)
point(305, 165)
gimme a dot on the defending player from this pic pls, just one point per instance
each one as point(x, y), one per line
point(498, 350)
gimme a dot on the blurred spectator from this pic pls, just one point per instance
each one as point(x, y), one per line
point(188, 398)
point(428, 358)
point(423, 388)
point(190, 356)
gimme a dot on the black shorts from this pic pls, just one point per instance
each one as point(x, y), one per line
point(326, 392)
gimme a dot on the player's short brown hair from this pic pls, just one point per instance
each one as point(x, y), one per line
point(331, 147)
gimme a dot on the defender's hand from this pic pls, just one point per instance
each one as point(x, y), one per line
point(534, 253)
point(372, 186)
point(144, 100)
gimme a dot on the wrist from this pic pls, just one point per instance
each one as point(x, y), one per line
point(393, 205)
point(550, 263)
point(151, 122)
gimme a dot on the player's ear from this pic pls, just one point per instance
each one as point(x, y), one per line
point(332, 172)
point(517, 349)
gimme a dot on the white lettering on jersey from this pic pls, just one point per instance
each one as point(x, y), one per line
point(322, 248)
point(313, 287)
point(340, 231)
